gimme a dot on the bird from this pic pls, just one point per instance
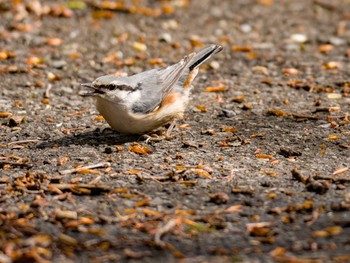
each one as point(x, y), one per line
point(143, 102)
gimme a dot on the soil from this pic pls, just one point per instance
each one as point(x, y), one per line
point(258, 170)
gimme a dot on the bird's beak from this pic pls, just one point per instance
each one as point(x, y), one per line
point(88, 85)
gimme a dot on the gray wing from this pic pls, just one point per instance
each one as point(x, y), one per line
point(154, 85)
point(200, 57)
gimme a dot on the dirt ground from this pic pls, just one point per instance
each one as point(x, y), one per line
point(258, 171)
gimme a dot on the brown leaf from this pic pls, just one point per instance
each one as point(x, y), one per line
point(202, 173)
point(219, 198)
point(140, 149)
point(54, 41)
point(325, 48)
point(102, 14)
point(279, 113)
point(241, 48)
point(215, 89)
point(341, 170)
point(5, 114)
point(201, 108)
point(264, 156)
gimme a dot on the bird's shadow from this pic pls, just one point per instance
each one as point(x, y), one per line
point(93, 138)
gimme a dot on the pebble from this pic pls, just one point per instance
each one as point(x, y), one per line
point(337, 41)
point(214, 64)
point(58, 64)
point(298, 38)
point(246, 28)
point(170, 24)
point(166, 37)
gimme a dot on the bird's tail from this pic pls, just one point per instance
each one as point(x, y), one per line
point(203, 55)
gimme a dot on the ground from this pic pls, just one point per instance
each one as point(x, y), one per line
point(258, 170)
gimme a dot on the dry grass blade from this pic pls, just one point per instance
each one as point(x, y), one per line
point(98, 165)
point(163, 230)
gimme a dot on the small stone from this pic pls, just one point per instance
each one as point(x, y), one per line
point(214, 65)
point(59, 64)
point(108, 150)
point(170, 24)
point(337, 41)
point(219, 198)
point(298, 38)
point(166, 37)
point(139, 46)
point(246, 28)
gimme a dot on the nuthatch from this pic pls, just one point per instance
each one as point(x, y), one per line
point(143, 102)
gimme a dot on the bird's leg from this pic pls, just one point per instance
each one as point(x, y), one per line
point(155, 138)
point(170, 129)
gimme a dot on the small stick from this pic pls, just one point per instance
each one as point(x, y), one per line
point(163, 230)
point(15, 164)
point(75, 113)
point(62, 187)
point(47, 91)
point(21, 142)
point(70, 171)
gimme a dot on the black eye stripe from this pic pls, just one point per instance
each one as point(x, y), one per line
point(112, 87)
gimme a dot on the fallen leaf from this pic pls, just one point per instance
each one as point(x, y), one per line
point(99, 118)
point(139, 46)
point(54, 41)
point(201, 108)
point(341, 171)
point(279, 113)
point(5, 114)
point(215, 89)
point(102, 14)
point(267, 3)
point(264, 156)
point(331, 65)
point(202, 173)
point(325, 48)
point(290, 71)
point(140, 149)
point(241, 48)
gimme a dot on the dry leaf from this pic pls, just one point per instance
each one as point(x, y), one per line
point(34, 61)
point(99, 118)
point(215, 89)
point(201, 108)
point(341, 171)
point(140, 149)
point(102, 14)
point(264, 156)
point(139, 46)
point(202, 173)
point(331, 65)
point(265, 2)
point(229, 129)
point(290, 71)
point(325, 48)
point(241, 48)
point(279, 113)
point(151, 212)
point(5, 114)
point(333, 137)
point(54, 41)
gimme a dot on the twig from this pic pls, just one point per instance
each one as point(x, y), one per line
point(3, 162)
point(75, 113)
point(332, 179)
point(70, 171)
point(303, 116)
point(163, 230)
point(21, 142)
point(47, 91)
point(62, 187)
